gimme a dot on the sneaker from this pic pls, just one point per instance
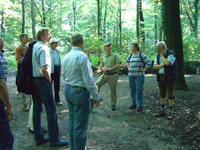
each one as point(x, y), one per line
point(25, 108)
point(132, 107)
point(113, 108)
point(140, 109)
point(170, 115)
point(60, 143)
point(59, 103)
point(160, 113)
point(46, 139)
point(100, 98)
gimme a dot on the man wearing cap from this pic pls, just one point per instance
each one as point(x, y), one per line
point(109, 63)
point(55, 69)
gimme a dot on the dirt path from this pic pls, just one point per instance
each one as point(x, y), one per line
point(123, 129)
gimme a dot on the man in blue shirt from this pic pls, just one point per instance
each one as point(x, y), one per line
point(6, 136)
point(41, 61)
point(166, 65)
point(79, 83)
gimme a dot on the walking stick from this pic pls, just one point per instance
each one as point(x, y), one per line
point(92, 104)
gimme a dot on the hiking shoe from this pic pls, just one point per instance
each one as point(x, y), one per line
point(45, 139)
point(160, 113)
point(140, 109)
point(59, 103)
point(170, 115)
point(25, 108)
point(59, 143)
point(113, 108)
point(132, 107)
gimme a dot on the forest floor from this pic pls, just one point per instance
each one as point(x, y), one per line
point(123, 129)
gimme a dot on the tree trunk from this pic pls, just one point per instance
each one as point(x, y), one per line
point(74, 11)
point(120, 23)
point(142, 26)
point(196, 18)
point(173, 37)
point(98, 14)
point(2, 25)
point(23, 17)
point(105, 14)
point(156, 29)
point(44, 16)
point(137, 23)
point(33, 18)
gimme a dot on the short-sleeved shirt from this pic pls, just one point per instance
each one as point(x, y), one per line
point(20, 52)
point(55, 58)
point(171, 58)
point(109, 61)
point(3, 73)
point(40, 57)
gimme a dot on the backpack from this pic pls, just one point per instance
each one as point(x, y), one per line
point(25, 74)
point(140, 58)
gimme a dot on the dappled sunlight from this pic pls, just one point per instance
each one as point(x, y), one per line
point(124, 97)
point(64, 111)
point(122, 81)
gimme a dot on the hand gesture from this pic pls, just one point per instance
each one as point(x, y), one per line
point(9, 114)
point(96, 102)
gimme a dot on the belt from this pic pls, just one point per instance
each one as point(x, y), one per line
point(111, 73)
point(78, 87)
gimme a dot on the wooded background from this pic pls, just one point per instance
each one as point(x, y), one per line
point(119, 22)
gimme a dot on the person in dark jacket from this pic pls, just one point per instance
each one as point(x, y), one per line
point(166, 65)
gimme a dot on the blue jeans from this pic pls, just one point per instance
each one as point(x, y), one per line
point(79, 110)
point(136, 87)
point(6, 136)
point(44, 95)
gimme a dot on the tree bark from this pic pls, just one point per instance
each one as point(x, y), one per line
point(105, 14)
point(142, 26)
point(43, 14)
point(33, 18)
point(2, 25)
point(156, 28)
point(137, 22)
point(173, 37)
point(98, 14)
point(23, 17)
point(120, 23)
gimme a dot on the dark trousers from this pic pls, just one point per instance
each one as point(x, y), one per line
point(43, 94)
point(56, 79)
point(6, 136)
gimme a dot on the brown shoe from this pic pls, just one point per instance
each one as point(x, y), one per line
point(160, 113)
point(25, 108)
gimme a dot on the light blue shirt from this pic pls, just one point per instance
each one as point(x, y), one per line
point(171, 59)
point(77, 71)
point(55, 58)
point(40, 57)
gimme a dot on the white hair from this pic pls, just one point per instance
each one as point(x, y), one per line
point(162, 44)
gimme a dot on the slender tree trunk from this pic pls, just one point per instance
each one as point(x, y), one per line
point(142, 26)
point(44, 16)
point(137, 22)
point(173, 37)
point(156, 29)
point(196, 18)
point(105, 14)
point(120, 23)
point(50, 19)
point(23, 17)
point(33, 18)
point(2, 25)
point(74, 11)
point(98, 14)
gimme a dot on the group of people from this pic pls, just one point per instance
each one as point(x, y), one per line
point(80, 86)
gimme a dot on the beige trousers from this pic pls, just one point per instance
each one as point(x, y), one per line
point(112, 82)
